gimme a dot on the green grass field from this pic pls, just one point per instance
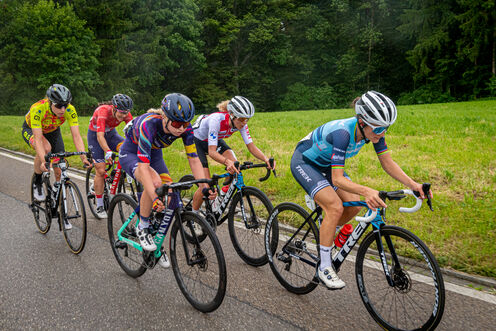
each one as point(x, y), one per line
point(452, 146)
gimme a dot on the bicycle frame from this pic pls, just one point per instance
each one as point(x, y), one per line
point(61, 190)
point(236, 184)
point(337, 260)
point(170, 216)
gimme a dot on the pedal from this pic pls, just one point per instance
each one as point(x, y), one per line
point(119, 244)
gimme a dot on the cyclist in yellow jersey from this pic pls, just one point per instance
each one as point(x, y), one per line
point(41, 131)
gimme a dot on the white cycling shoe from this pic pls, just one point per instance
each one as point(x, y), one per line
point(163, 261)
point(146, 240)
point(330, 279)
point(101, 213)
point(39, 192)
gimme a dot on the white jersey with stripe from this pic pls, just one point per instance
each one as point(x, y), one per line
point(216, 126)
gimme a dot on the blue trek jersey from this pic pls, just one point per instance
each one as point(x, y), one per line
point(334, 142)
point(147, 132)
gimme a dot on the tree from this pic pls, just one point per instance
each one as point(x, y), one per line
point(43, 44)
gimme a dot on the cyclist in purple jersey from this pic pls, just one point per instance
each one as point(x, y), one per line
point(141, 155)
point(318, 166)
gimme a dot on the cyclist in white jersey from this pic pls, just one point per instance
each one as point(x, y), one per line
point(318, 166)
point(211, 130)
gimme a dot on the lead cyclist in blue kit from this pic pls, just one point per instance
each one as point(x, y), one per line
point(318, 166)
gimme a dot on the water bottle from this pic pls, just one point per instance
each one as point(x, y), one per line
point(343, 235)
point(218, 200)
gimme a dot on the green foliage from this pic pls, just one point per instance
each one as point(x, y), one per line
point(42, 44)
point(301, 97)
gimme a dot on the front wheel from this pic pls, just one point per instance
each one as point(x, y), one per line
point(73, 217)
point(122, 208)
point(199, 266)
point(292, 246)
point(416, 298)
point(247, 218)
point(41, 209)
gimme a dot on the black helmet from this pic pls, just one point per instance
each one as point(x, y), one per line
point(178, 107)
point(122, 102)
point(59, 94)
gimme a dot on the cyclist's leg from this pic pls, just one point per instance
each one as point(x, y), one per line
point(348, 212)
point(202, 151)
point(57, 146)
point(226, 151)
point(315, 183)
point(99, 159)
point(28, 136)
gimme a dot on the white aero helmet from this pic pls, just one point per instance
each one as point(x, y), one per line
point(376, 109)
point(241, 107)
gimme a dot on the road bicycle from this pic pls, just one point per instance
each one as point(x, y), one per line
point(398, 278)
point(197, 260)
point(249, 209)
point(63, 201)
point(116, 181)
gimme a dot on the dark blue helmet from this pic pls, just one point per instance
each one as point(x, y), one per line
point(122, 102)
point(59, 94)
point(178, 107)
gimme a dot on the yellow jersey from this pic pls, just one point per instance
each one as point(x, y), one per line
point(41, 116)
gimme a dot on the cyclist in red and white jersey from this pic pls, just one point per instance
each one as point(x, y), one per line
point(103, 139)
point(211, 130)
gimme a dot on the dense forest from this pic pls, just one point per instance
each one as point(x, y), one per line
point(281, 54)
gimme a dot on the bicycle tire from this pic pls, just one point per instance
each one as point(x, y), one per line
point(249, 242)
point(203, 283)
point(76, 236)
point(41, 210)
point(90, 195)
point(294, 246)
point(131, 265)
point(423, 309)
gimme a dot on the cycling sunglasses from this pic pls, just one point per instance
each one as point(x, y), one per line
point(380, 130)
point(60, 105)
point(122, 111)
point(242, 119)
point(177, 124)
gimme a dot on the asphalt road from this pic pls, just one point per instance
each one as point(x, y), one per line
point(44, 286)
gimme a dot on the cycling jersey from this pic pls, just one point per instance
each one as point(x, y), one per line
point(216, 126)
point(41, 116)
point(147, 133)
point(334, 141)
point(324, 149)
point(103, 119)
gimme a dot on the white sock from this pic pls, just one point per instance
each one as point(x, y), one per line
point(195, 211)
point(325, 257)
point(99, 202)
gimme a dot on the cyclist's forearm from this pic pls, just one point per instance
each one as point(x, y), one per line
point(216, 156)
point(100, 136)
point(395, 171)
point(256, 152)
point(196, 167)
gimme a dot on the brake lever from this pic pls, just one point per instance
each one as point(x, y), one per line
point(426, 187)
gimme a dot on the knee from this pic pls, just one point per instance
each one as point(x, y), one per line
point(334, 210)
point(100, 171)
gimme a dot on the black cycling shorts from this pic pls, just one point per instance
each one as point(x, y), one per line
point(54, 138)
point(202, 149)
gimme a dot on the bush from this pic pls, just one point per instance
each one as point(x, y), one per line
point(425, 94)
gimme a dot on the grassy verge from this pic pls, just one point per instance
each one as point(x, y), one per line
point(451, 145)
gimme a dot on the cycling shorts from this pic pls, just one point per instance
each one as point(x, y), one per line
point(53, 137)
point(202, 149)
point(128, 158)
point(310, 176)
point(114, 142)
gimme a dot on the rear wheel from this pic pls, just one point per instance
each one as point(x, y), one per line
point(187, 195)
point(296, 255)
point(41, 210)
point(200, 270)
point(122, 207)
point(75, 214)
point(90, 192)
point(250, 205)
point(129, 186)
point(416, 298)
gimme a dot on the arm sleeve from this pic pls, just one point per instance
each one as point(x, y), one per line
point(189, 143)
point(341, 140)
point(146, 134)
point(213, 133)
point(71, 116)
point(381, 147)
point(245, 134)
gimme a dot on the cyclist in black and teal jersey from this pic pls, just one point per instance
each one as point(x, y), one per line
point(318, 166)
